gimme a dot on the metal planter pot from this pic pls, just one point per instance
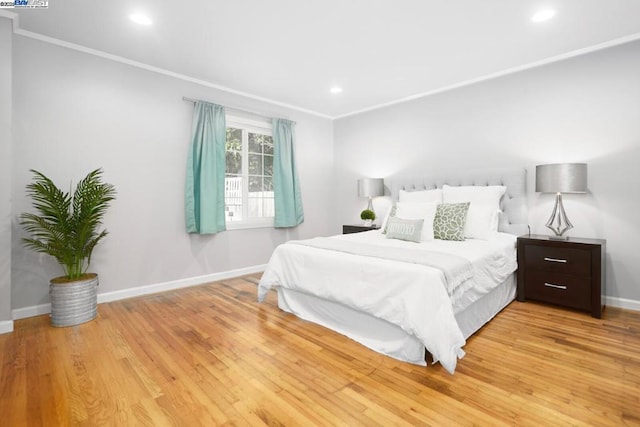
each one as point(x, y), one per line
point(73, 303)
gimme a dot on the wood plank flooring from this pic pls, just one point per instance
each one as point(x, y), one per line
point(211, 355)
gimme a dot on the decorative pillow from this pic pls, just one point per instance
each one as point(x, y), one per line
point(420, 196)
point(424, 211)
point(450, 221)
point(482, 218)
point(405, 229)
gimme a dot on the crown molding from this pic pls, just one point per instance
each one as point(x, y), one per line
point(10, 15)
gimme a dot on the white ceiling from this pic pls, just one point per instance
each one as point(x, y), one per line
point(292, 52)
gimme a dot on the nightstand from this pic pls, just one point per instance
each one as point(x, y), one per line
point(569, 273)
point(348, 229)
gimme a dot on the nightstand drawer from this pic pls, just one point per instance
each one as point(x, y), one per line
point(558, 260)
point(556, 288)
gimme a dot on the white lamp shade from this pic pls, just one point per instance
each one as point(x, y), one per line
point(371, 187)
point(561, 178)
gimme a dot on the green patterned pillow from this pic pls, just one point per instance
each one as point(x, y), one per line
point(450, 220)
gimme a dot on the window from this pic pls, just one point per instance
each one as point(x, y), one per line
point(249, 173)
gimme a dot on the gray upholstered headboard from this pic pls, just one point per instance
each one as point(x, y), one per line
point(513, 218)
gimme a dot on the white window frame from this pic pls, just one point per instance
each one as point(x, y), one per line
point(253, 126)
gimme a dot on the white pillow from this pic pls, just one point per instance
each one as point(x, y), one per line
point(481, 222)
point(425, 211)
point(390, 212)
point(496, 220)
point(484, 208)
point(421, 196)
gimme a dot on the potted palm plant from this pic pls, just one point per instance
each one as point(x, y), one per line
point(66, 227)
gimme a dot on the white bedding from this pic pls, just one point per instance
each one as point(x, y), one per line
point(411, 296)
point(456, 269)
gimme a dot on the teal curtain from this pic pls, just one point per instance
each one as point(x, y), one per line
point(204, 190)
point(286, 187)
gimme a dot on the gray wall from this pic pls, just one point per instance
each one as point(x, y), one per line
point(5, 174)
point(585, 109)
point(74, 112)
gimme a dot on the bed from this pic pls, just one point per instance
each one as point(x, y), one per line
point(382, 293)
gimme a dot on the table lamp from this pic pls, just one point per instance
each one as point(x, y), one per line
point(561, 178)
point(370, 187)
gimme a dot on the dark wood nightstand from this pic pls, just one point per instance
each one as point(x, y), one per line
point(348, 229)
point(569, 272)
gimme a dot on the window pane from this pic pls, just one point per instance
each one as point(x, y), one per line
point(255, 164)
point(255, 143)
point(267, 144)
point(233, 149)
point(268, 207)
point(255, 186)
point(268, 165)
point(255, 207)
point(259, 143)
point(234, 139)
point(268, 185)
point(233, 163)
point(233, 197)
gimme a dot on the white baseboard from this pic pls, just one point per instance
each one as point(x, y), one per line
point(31, 311)
point(37, 310)
point(6, 326)
point(177, 284)
point(627, 304)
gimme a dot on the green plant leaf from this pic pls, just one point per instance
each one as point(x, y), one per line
point(65, 226)
point(367, 214)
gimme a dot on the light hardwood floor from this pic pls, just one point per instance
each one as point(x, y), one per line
point(211, 355)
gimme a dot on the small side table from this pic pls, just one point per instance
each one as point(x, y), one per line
point(353, 228)
point(569, 273)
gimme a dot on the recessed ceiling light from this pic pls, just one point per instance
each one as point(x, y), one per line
point(335, 90)
point(141, 19)
point(543, 15)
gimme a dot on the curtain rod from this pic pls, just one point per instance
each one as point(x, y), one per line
point(184, 98)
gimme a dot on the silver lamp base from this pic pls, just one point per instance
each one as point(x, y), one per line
point(558, 222)
point(370, 205)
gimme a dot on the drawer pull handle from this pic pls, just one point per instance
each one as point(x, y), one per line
point(564, 261)
point(551, 285)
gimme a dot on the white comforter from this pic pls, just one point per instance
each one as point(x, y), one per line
point(411, 296)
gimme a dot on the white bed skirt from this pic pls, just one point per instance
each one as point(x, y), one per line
point(385, 337)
